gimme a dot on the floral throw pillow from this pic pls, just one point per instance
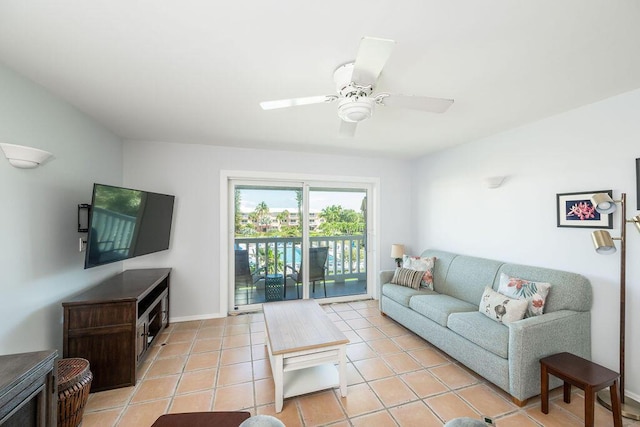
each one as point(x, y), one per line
point(501, 308)
point(407, 277)
point(534, 292)
point(424, 264)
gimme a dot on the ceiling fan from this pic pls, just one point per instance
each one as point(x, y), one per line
point(355, 84)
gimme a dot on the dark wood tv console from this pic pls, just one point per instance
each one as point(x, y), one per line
point(28, 394)
point(113, 324)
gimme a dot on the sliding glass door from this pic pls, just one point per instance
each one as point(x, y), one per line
point(296, 240)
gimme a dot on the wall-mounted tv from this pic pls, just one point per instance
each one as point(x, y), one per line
point(126, 223)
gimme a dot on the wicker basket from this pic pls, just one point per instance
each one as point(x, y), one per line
point(74, 382)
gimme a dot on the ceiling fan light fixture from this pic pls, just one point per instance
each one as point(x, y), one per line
point(356, 109)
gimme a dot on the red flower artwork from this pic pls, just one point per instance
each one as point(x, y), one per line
point(583, 210)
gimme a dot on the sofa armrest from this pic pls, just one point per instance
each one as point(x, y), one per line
point(386, 276)
point(536, 337)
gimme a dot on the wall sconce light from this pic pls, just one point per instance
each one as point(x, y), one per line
point(494, 181)
point(23, 157)
point(397, 251)
point(603, 243)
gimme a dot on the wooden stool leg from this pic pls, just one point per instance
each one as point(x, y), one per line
point(616, 408)
point(544, 389)
point(589, 399)
point(566, 389)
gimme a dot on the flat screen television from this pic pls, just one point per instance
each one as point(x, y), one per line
point(126, 223)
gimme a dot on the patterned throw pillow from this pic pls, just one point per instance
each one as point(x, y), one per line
point(501, 308)
point(425, 264)
point(534, 292)
point(407, 277)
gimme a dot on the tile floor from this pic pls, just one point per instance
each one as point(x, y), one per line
point(394, 379)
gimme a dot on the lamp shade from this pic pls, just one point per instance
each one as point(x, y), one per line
point(603, 203)
point(603, 242)
point(397, 250)
point(636, 221)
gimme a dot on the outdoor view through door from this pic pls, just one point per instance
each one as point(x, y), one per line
point(287, 247)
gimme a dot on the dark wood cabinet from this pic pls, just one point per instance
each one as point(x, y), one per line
point(28, 394)
point(113, 324)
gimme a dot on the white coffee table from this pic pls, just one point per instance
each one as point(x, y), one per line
point(304, 347)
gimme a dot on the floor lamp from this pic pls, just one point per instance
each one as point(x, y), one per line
point(603, 243)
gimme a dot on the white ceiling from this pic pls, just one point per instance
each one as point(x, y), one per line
point(194, 71)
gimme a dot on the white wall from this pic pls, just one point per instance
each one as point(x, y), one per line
point(39, 258)
point(591, 148)
point(192, 173)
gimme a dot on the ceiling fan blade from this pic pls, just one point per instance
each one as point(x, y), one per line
point(423, 103)
point(373, 53)
point(347, 129)
point(293, 102)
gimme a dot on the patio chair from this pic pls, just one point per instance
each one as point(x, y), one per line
point(317, 269)
point(244, 275)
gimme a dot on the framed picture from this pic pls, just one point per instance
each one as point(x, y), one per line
point(638, 184)
point(576, 210)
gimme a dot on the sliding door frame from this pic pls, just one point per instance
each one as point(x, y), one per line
point(227, 235)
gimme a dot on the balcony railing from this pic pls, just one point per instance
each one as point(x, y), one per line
point(346, 259)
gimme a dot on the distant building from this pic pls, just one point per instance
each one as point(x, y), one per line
point(293, 220)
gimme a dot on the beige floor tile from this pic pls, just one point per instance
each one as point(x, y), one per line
point(334, 317)
point(401, 362)
point(193, 402)
point(257, 338)
point(202, 361)
point(392, 391)
point(342, 325)
point(602, 416)
point(415, 414)
point(392, 331)
point(357, 305)
point(265, 391)
point(369, 334)
point(373, 369)
point(369, 312)
point(181, 336)
point(143, 414)
point(353, 337)
point(453, 376)
point(384, 346)
point(155, 388)
point(361, 399)
point(241, 319)
point(116, 398)
point(210, 332)
point(243, 329)
point(221, 321)
point(409, 342)
point(257, 326)
point(557, 417)
point(360, 351)
point(186, 326)
point(380, 321)
point(202, 379)
point(339, 308)
point(353, 376)
point(516, 420)
point(230, 356)
point(142, 369)
point(320, 408)
point(206, 344)
point(449, 406)
point(486, 401)
point(424, 384)
point(377, 419)
point(289, 415)
point(259, 352)
point(172, 350)
point(234, 374)
point(358, 323)
point(101, 419)
point(234, 398)
point(168, 366)
point(428, 357)
point(261, 369)
point(239, 340)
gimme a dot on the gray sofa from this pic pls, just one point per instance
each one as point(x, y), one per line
point(506, 355)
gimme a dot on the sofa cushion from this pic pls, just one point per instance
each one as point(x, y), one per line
point(402, 294)
point(501, 308)
point(425, 264)
point(534, 292)
point(407, 277)
point(480, 330)
point(438, 307)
